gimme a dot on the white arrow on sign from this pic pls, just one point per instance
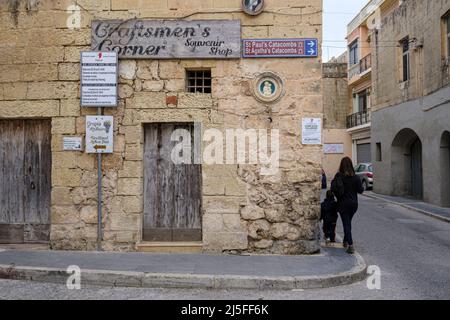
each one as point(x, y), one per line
point(312, 43)
point(312, 51)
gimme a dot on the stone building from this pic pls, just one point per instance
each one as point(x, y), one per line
point(411, 108)
point(360, 81)
point(218, 207)
point(337, 141)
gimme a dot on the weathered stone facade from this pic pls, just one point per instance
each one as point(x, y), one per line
point(242, 210)
point(422, 22)
point(335, 110)
point(415, 111)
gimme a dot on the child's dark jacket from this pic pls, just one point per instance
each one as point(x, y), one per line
point(328, 210)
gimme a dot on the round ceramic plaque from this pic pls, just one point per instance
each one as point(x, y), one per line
point(268, 87)
point(253, 7)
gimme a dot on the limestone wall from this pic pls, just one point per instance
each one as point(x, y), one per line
point(242, 210)
point(335, 110)
point(336, 95)
point(420, 20)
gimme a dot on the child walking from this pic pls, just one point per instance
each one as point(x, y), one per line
point(329, 215)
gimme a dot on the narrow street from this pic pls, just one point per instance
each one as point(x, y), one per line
point(411, 249)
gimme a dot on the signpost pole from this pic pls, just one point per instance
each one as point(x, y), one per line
point(99, 80)
point(99, 202)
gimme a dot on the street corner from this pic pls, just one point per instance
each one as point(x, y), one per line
point(189, 271)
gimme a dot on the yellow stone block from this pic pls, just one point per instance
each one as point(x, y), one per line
point(70, 107)
point(23, 109)
point(64, 125)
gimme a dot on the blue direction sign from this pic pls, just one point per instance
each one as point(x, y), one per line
point(312, 47)
point(280, 48)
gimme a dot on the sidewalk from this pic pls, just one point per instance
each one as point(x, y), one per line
point(333, 267)
point(416, 205)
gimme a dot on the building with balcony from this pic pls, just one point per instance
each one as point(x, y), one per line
point(411, 101)
point(337, 142)
point(359, 38)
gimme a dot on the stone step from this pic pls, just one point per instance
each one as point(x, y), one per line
point(25, 246)
point(169, 247)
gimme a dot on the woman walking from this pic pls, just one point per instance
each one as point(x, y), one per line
point(346, 186)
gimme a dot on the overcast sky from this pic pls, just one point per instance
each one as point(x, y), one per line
point(337, 15)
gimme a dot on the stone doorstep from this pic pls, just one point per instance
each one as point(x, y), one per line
point(157, 280)
point(25, 246)
point(170, 247)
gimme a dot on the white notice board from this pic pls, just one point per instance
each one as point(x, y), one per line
point(311, 131)
point(99, 134)
point(72, 143)
point(333, 148)
point(99, 72)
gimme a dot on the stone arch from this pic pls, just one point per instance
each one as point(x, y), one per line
point(406, 164)
point(445, 169)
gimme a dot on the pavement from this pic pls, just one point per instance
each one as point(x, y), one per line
point(330, 268)
point(411, 250)
point(414, 204)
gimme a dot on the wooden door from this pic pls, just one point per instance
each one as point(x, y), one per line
point(416, 170)
point(172, 192)
point(25, 181)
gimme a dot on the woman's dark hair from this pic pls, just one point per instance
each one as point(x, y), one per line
point(330, 195)
point(346, 167)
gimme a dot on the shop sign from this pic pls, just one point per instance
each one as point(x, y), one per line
point(99, 134)
point(168, 39)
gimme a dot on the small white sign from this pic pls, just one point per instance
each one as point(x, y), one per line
point(99, 79)
point(336, 148)
point(99, 134)
point(72, 144)
point(311, 131)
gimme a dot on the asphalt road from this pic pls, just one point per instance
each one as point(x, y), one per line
point(411, 250)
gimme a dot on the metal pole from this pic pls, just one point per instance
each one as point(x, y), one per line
point(99, 202)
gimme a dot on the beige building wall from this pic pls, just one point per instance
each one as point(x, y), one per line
point(331, 162)
point(242, 210)
point(335, 104)
point(421, 21)
point(414, 112)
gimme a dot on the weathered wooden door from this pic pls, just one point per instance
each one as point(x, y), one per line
point(172, 192)
point(25, 181)
point(416, 170)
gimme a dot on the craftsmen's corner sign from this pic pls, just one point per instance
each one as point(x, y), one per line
point(168, 39)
